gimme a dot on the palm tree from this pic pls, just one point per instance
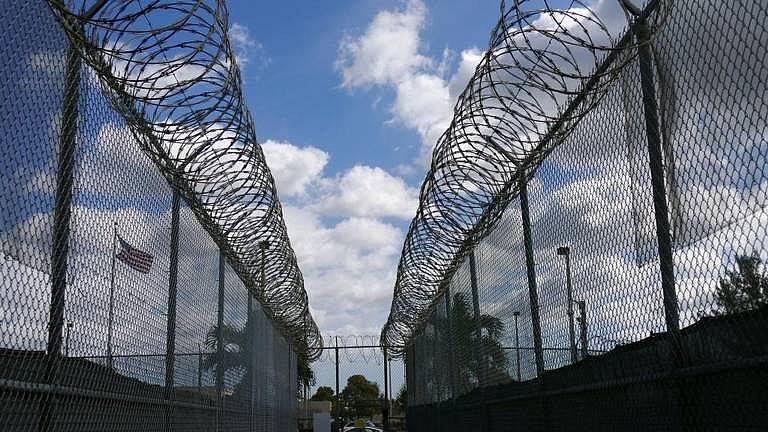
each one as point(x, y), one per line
point(236, 355)
point(304, 374)
point(237, 347)
point(473, 353)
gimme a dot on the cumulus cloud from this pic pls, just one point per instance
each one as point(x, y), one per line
point(365, 191)
point(388, 50)
point(343, 230)
point(348, 267)
point(294, 168)
point(389, 53)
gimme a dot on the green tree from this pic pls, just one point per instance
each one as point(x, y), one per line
point(236, 352)
point(743, 289)
point(323, 393)
point(305, 374)
point(473, 350)
point(237, 349)
point(362, 397)
point(401, 402)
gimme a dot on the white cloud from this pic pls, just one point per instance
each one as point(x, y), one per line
point(294, 168)
point(348, 268)
point(365, 191)
point(388, 54)
point(470, 58)
point(423, 103)
point(346, 248)
point(246, 48)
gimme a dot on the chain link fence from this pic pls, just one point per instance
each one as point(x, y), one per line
point(625, 286)
point(355, 381)
point(118, 310)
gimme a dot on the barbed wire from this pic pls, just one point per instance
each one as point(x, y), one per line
point(170, 70)
point(545, 68)
point(352, 349)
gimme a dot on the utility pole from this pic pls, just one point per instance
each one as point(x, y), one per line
point(566, 252)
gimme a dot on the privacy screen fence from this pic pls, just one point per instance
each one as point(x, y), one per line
point(623, 283)
point(142, 289)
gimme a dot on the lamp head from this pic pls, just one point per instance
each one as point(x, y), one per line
point(264, 244)
point(563, 250)
point(516, 313)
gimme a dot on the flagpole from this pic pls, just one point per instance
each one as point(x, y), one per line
point(111, 300)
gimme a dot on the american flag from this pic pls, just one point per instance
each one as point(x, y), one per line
point(134, 258)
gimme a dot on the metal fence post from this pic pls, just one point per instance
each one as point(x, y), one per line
point(220, 345)
point(385, 414)
point(61, 225)
point(516, 314)
point(533, 295)
point(531, 270)
point(170, 345)
point(661, 212)
point(661, 209)
point(583, 328)
point(250, 330)
point(481, 375)
point(338, 396)
point(449, 339)
point(566, 252)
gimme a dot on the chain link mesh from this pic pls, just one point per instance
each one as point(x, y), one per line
point(86, 311)
point(618, 350)
point(358, 356)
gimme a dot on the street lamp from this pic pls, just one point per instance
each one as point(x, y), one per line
point(566, 252)
point(66, 342)
point(516, 314)
point(583, 327)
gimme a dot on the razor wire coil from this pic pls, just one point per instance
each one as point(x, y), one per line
point(545, 68)
point(170, 70)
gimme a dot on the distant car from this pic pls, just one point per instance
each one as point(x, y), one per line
point(368, 426)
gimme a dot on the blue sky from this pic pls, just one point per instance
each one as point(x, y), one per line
point(295, 90)
point(348, 98)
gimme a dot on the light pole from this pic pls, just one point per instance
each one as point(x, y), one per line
point(199, 370)
point(66, 342)
point(566, 252)
point(583, 327)
point(516, 314)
